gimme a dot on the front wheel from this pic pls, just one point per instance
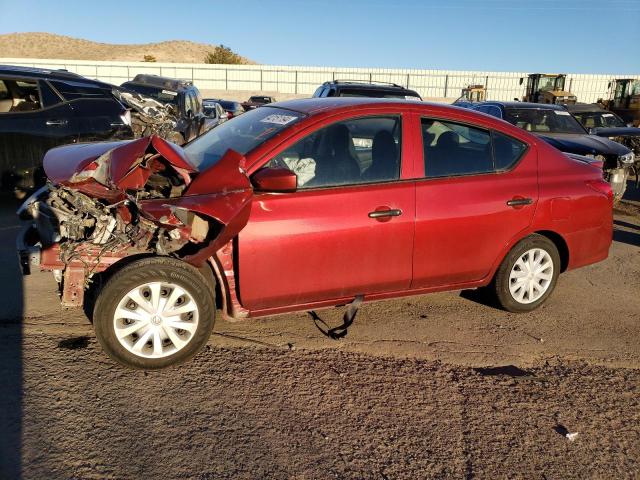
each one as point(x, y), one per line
point(154, 313)
point(527, 275)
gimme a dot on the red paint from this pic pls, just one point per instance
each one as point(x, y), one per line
point(319, 248)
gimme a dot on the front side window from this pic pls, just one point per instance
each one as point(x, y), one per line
point(453, 149)
point(363, 150)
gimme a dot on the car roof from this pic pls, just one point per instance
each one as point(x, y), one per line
point(43, 73)
point(160, 82)
point(55, 75)
point(372, 85)
point(586, 107)
point(312, 106)
point(524, 105)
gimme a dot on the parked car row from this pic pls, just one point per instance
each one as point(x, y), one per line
point(339, 198)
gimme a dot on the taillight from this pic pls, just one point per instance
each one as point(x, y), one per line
point(602, 187)
point(229, 115)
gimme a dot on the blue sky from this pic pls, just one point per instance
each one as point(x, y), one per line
point(575, 36)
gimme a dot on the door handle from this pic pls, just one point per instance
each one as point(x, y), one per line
point(56, 123)
point(519, 202)
point(385, 213)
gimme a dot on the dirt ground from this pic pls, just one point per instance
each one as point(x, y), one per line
point(436, 386)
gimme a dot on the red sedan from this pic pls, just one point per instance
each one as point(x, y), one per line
point(306, 204)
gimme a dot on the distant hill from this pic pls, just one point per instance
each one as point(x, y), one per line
point(49, 45)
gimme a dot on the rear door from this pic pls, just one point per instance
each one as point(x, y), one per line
point(97, 115)
point(32, 120)
point(348, 229)
point(479, 190)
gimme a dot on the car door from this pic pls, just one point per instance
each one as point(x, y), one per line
point(190, 118)
point(347, 230)
point(26, 135)
point(479, 190)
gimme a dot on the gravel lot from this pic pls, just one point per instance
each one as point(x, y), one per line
point(437, 386)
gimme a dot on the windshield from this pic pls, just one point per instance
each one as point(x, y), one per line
point(550, 83)
point(599, 119)
point(543, 120)
point(164, 96)
point(242, 134)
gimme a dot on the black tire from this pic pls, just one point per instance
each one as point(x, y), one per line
point(500, 284)
point(140, 272)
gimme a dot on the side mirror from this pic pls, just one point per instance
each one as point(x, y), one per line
point(277, 180)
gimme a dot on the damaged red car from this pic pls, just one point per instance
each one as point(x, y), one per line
point(307, 204)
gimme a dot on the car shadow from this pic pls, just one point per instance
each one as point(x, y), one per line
point(11, 336)
point(481, 296)
point(623, 236)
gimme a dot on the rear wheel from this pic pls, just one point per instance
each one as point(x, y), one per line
point(154, 313)
point(527, 275)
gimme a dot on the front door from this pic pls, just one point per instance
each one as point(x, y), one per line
point(347, 230)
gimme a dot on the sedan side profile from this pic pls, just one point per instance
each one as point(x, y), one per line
point(306, 204)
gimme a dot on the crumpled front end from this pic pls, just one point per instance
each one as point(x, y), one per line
point(149, 116)
point(107, 202)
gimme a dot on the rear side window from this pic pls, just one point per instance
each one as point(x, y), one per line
point(452, 149)
point(19, 96)
point(75, 90)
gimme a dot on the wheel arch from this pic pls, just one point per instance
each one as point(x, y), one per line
point(560, 243)
point(101, 278)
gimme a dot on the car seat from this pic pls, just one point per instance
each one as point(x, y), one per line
point(384, 158)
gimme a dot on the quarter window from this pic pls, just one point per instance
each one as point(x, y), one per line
point(506, 150)
point(363, 150)
point(452, 149)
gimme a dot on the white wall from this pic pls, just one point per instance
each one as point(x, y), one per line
point(293, 80)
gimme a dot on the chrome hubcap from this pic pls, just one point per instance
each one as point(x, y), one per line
point(531, 275)
point(156, 319)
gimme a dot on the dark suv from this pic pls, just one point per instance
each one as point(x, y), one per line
point(182, 95)
point(346, 88)
point(41, 109)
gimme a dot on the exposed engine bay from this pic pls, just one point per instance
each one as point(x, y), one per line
point(149, 116)
point(112, 200)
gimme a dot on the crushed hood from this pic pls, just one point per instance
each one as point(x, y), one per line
point(152, 179)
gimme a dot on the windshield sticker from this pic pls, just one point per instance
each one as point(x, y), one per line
point(607, 114)
point(561, 112)
point(169, 92)
point(278, 119)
